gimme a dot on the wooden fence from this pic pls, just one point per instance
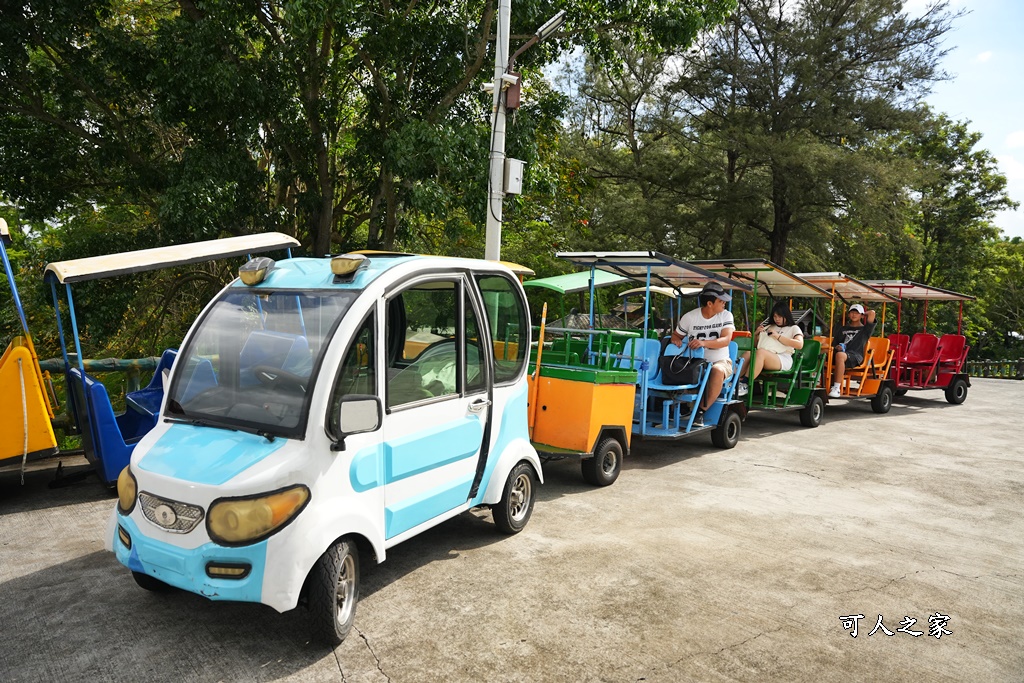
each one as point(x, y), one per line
point(1001, 369)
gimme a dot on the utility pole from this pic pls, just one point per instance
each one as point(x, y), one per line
point(502, 80)
point(496, 178)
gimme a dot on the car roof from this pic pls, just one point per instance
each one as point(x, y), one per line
point(315, 273)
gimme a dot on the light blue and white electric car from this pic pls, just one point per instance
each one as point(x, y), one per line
point(323, 410)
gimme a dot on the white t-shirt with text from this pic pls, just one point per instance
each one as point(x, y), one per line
point(694, 325)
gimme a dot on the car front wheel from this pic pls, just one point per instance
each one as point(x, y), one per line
point(333, 592)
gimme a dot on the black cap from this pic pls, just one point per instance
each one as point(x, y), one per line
point(716, 290)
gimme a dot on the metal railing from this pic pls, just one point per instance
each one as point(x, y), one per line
point(1000, 369)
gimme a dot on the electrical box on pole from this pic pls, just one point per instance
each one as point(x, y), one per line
point(514, 176)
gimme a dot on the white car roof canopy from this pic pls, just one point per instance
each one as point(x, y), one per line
point(125, 263)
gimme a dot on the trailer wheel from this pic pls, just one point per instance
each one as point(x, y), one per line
point(882, 401)
point(333, 592)
point(727, 434)
point(956, 392)
point(602, 469)
point(151, 583)
point(810, 415)
point(516, 506)
point(901, 392)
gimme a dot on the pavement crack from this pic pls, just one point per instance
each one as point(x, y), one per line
point(744, 642)
point(372, 653)
point(808, 474)
point(719, 651)
point(340, 670)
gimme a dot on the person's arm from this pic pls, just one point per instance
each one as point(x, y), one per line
point(796, 342)
point(678, 333)
point(725, 336)
point(860, 340)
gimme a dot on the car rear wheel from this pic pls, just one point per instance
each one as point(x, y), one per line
point(810, 415)
point(602, 469)
point(727, 434)
point(956, 392)
point(513, 511)
point(882, 401)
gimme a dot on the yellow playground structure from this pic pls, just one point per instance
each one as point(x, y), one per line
point(26, 394)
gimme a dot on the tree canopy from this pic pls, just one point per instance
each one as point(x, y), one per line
point(789, 129)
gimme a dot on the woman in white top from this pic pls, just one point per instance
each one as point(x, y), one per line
point(775, 343)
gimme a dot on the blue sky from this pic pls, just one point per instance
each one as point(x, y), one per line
point(986, 61)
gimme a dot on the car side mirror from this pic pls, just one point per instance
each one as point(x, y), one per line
point(357, 414)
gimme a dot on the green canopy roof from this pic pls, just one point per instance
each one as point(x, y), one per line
point(571, 283)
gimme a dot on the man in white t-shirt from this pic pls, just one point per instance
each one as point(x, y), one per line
point(709, 327)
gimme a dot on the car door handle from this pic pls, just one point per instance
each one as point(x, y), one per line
point(479, 405)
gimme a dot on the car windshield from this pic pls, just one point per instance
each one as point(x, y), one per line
point(251, 363)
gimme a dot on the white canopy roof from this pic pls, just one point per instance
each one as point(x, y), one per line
point(847, 288)
point(667, 291)
point(664, 270)
point(772, 280)
point(905, 289)
point(109, 265)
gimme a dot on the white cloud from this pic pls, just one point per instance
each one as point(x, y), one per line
point(1015, 139)
point(983, 57)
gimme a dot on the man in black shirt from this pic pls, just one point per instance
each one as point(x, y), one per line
point(850, 340)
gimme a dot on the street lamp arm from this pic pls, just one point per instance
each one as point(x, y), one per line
point(526, 46)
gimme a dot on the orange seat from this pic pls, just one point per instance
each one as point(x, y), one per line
point(875, 365)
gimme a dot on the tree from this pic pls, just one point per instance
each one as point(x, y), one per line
point(956, 194)
point(793, 96)
point(346, 123)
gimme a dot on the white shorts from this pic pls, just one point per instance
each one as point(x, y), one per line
point(787, 361)
point(725, 365)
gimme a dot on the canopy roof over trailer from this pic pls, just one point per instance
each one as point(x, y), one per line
point(665, 270)
point(125, 263)
point(847, 288)
point(905, 289)
point(570, 283)
point(667, 291)
point(770, 280)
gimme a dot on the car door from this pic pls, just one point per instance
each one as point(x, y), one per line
point(437, 400)
point(506, 334)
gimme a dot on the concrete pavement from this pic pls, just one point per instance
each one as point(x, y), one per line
point(697, 564)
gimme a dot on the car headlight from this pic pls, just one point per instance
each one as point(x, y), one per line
point(238, 521)
point(127, 490)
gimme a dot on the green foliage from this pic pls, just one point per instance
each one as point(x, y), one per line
point(767, 131)
point(791, 131)
point(345, 123)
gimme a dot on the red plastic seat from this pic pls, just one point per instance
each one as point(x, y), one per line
point(952, 349)
point(922, 357)
point(922, 349)
point(899, 343)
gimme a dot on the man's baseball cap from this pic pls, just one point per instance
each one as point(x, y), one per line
point(858, 308)
point(716, 290)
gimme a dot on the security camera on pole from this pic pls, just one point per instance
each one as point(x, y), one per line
point(506, 175)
